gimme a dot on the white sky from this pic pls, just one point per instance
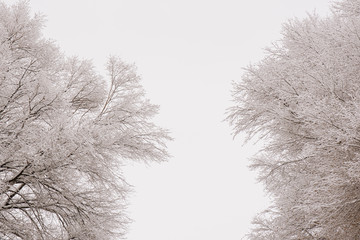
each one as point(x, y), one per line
point(188, 52)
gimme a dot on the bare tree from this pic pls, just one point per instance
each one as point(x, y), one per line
point(65, 131)
point(303, 100)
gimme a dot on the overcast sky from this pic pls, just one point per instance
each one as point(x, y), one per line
point(188, 52)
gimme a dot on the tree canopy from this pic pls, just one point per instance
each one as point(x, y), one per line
point(65, 132)
point(303, 100)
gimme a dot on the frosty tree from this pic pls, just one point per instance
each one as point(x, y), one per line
point(303, 99)
point(64, 133)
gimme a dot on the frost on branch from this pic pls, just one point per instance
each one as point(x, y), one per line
point(303, 99)
point(64, 133)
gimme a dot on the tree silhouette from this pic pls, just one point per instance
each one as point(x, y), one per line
point(303, 100)
point(65, 131)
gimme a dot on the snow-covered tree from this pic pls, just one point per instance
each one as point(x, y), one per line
point(303, 100)
point(65, 131)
